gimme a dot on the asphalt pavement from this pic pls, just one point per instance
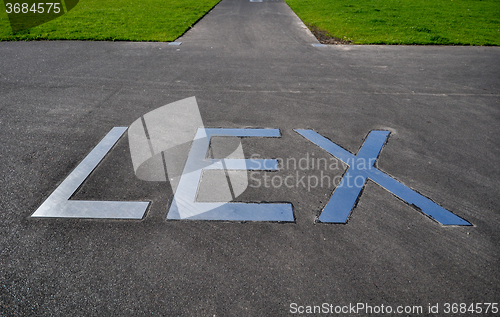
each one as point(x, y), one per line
point(252, 65)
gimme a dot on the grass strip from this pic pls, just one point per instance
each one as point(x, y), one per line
point(116, 20)
point(443, 22)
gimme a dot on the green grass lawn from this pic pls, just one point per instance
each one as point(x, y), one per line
point(451, 22)
point(131, 20)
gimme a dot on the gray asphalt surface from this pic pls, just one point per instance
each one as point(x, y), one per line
point(250, 65)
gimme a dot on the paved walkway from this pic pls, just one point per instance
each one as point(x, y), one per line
point(240, 26)
point(250, 64)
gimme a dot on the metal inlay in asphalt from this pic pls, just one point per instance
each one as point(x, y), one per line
point(59, 205)
point(361, 167)
point(184, 205)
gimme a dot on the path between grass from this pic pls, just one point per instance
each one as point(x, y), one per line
point(445, 22)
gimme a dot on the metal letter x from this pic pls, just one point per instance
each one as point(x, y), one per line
point(361, 167)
